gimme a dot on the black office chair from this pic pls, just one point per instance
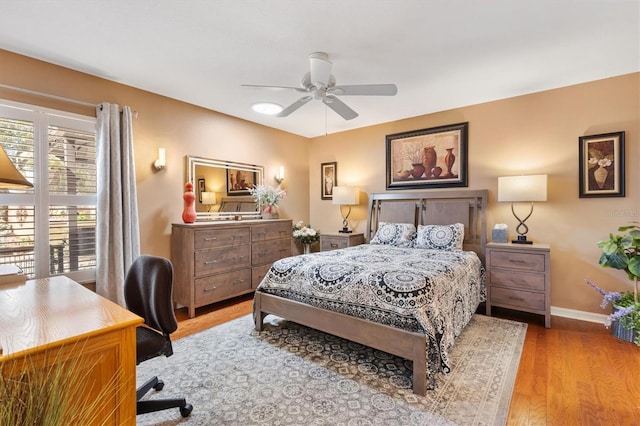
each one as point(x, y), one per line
point(148, 292)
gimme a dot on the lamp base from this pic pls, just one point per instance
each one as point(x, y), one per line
point(522, 239)
point(345, 231)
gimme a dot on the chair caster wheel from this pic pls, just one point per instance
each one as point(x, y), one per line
point(159, 386)
point(186, 410)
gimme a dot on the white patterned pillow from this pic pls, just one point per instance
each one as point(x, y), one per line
point(395, 234)
point(440, 237)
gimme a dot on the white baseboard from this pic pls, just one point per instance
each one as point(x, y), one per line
point(578, 315)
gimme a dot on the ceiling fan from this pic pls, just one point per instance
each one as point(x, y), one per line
point(320, 84)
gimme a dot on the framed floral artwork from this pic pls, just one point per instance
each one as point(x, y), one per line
point(428, 158)
point(601, 165)
point(328, 179)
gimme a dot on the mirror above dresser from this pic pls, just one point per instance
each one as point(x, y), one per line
point(222, 188)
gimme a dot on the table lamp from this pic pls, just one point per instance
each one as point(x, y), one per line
point(345, 196)
point(10, 177)
point(525, 188)
point(208, 199)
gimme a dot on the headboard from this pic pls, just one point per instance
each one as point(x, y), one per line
point(434, 208)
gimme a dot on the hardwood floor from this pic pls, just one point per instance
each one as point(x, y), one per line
point(574, 373)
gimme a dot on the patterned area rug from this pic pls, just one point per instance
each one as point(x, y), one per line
point(292, 375)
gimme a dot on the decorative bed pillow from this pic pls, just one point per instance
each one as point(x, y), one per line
point(395, 234)
point(440, 237)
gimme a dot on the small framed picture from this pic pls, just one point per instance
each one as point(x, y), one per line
point(601, 165)
point(328, 179)
point(201, 188)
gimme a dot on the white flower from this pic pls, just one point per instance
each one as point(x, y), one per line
point(267, 195)
point(605, 162)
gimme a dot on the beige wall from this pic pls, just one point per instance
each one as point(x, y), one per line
point(536, 133)
point(529, 134)
point(181, 128)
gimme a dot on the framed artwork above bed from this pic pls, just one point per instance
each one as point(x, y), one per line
point(429, 158)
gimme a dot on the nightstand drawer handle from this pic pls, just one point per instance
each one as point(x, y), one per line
point(210, 288)
point(333, 245)
point(210, 262)
point(210, 238)
point(238, 282)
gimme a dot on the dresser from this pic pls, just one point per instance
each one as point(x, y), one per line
point(214, 261)
point(519, 278)
point(339, 240)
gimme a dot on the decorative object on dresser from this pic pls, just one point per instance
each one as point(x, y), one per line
point(522, 188)
point(189, 211)
point(622, 251)
point(214, 261)
point(340, 240)
point(428, 158)
point(306, 235)
point(345, 196)
point(601, 165)
point(267, 197)
point(519, 277)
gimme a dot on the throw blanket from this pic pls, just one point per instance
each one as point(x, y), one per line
point(427, 291)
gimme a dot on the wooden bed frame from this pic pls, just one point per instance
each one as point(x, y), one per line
point(421, 208)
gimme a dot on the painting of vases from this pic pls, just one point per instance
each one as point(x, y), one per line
point(433, 157)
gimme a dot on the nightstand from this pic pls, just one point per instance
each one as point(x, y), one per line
point(339, 240)
point(519, 278)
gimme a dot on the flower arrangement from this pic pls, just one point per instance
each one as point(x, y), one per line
point(267, 195)
point(622, 252)
point(305, 233)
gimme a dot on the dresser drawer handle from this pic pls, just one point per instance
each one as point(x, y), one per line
point(210, 238)
point(210, 288)
point(235, 259)
point(238, 282)
point(210, 262)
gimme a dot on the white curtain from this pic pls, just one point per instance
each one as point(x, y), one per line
point(118, 231)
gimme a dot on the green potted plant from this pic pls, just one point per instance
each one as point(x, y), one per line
point(622, 251)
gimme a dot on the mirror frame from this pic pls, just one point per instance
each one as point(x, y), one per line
point(192, 162)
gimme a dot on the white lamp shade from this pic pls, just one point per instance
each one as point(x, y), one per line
point(522, 188)
point(208, 198)
point(10, 177)
point(346, 195)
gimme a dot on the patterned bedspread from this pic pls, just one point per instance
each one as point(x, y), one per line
point(428, 291)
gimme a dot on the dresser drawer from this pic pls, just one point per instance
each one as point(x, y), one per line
point(259, 272)
point(271, 231)
point(518, 279)
point(517, 299)
point(270, 251)
point(222, 286)
point(221, 259)
point(211, 238)
point(515, 260)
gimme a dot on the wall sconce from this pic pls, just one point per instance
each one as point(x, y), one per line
point(522, 189)
point(10, 177)
point(161, 162)
point(345, 196)
point(208, 199)
point(279, 177)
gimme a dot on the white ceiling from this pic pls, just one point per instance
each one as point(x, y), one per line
point(440, 54)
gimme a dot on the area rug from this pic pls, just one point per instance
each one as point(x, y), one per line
point(292, 375)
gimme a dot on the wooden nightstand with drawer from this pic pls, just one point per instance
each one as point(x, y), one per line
point(519, 278)
point(339, 240)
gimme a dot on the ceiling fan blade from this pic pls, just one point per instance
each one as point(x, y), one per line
point(365, 90)
point(320, 67)
point(340, 107)
point(294, 106)
point(259, 86)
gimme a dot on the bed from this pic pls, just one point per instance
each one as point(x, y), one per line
point(418, 299)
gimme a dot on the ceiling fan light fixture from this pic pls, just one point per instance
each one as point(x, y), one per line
point(267, 108)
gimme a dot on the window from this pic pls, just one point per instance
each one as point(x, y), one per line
point(49, 229)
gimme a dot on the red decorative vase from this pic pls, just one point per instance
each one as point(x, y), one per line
point(189, 212)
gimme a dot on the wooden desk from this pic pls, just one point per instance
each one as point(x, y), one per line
point(56, 321)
